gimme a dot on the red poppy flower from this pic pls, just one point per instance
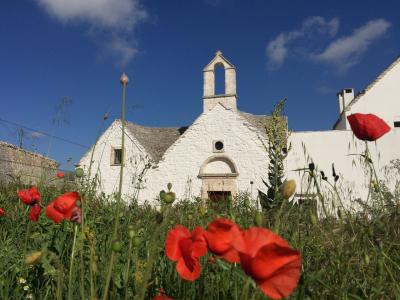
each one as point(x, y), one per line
point(2, 213)
point(60, 174)
point(186, 248)
point(269, 260)
point(64, 207)
point(220, 235)
point(34, 213)
point(367, 127)
point(29, 197)
point(162, 297)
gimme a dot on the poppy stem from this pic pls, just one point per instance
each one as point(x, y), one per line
point(126, 279)
point(118, 207)
point(279, 215)
point(71, 265)
point(28, 231)
point(373, 170)
point(152, 255)
point(82, 244)
point(321, 197)
point(91, 272)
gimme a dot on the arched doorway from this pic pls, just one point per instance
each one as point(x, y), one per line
point(218, 174)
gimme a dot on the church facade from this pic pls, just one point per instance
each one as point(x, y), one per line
point(223, 152)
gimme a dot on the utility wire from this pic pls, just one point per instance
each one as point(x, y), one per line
point(45, 133)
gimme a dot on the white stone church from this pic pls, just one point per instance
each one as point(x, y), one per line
point(222, 153)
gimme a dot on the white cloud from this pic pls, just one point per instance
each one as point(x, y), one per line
point(111, 22)
point(278, 48)
point(345, 52)
point(36, 134)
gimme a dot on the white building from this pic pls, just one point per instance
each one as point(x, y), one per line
point(223, 151)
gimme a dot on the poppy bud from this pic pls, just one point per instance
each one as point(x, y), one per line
point(381, 266)
point(375, 186)
point(311, 167)
point(190, 216)
point(258, 219)
point(288, 189)
point(94, 267)
point(366, 259)
point(313, 219)
point(116, 246)
point(162, 195)
point(323, 176)
point(131, 232)
point(33, 258)
point(169, 198)
point(169, 186)
point(79, 172)
point(202, 210)
point(136, 241)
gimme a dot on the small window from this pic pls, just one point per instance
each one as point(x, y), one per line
point(116, 156)
point(348, 91)
point(218, 146)
point(396, 124)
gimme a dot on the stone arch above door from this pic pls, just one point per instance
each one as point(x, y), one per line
point(218, 174)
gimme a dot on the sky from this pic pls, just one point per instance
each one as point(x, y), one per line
point(60, 62)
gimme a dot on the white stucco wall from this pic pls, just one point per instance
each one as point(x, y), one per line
point(182, 161)
point(382, 99)
point(108, 174)
point(327, 147)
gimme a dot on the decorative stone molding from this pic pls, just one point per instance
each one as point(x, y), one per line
point(220, 178)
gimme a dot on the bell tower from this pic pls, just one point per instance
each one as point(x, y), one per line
point(229, 98)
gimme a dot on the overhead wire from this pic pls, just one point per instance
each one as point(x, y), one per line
point(44, 133)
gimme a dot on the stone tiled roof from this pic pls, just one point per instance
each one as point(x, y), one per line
point(156, 140)
point(257, 121)
point(361, 93)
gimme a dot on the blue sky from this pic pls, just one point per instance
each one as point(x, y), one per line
point(304, 50)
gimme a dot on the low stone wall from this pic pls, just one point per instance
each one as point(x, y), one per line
point(19, 165)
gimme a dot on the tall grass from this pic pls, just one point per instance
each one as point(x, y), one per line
point(350, 256)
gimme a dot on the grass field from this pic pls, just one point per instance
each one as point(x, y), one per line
point(350, 256)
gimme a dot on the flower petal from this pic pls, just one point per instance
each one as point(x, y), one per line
point(174, 236)
point(53, 214)
point(34, 213)
point(367, 127)
point(199, 247)
point(65, 203)
point(283, 280)
point(221, 235)
point(29, 197)
point(255, 238)
point(185, 272)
